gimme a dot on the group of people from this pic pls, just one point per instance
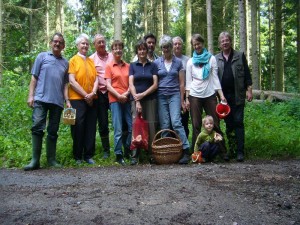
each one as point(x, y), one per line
point(163, 90)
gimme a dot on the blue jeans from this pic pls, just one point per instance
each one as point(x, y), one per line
point(169, 113)
point(39, 117)
point(121, 112)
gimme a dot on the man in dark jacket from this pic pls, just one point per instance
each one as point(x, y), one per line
point(236, 82)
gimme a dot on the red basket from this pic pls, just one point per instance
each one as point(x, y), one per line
point(222, 110)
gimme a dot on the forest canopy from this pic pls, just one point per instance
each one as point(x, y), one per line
point(266, 30)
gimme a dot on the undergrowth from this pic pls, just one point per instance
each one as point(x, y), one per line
point(272, 129)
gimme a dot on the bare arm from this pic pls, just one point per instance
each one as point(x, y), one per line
point(32, 87)
point(150, 90)
point(75, 86)
point(122, 98)
point(66, 95)
point(182, 88)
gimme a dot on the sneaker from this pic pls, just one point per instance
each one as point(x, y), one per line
point(133, 161)
point(121, 162)
point(226, 157)
point(78, 162)
point(90, 161)
point(185, 159)
point(106, 155)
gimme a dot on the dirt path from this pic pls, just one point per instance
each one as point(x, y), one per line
point(248, 193)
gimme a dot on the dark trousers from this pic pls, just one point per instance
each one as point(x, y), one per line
point(102, 114)
point(185, 122)
point(39, 117)
point(209, 150)
point(235, 130)
point(84, 131)
point(197, 105)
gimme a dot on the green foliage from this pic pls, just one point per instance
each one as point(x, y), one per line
point(14, 120)
point(271, 130)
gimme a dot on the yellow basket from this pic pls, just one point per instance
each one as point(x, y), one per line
point(69, 116)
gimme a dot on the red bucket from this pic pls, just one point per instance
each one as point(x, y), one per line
point(222, 110)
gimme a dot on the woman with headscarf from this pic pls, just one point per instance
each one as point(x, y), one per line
point(202, 83)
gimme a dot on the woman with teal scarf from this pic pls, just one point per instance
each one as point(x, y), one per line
point(202, 83)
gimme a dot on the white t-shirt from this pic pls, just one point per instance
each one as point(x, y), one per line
point(194, 79)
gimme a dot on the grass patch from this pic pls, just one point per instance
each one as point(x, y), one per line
point(272, 129)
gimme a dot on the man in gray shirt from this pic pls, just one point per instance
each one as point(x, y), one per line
point(47, 91)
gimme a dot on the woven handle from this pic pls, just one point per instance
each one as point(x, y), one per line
point(70, 109)
point(166, 130)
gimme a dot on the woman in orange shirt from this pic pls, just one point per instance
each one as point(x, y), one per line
point(82, 94)
point(117, 77)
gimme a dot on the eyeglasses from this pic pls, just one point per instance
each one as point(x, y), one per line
point(58, 42)
point(165, 47)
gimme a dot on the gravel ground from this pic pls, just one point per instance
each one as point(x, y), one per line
point(253, 192)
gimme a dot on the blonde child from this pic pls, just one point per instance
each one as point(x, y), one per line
point(207, 140)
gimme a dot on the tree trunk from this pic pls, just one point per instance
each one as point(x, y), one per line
point(248, 30)
point(188, 27)
point(165, 17)
point(269, 80)
point(259, 45)
point(278, 46)
point(118, 20)
point(242, 19)
point(1, 38)
point(58, 16)
point(210, 38)
point(30, 35)
point(254, 49)
point(47, 24)
point(159, 18)
point(145, 17)
point(298, 43)
point(234, 36)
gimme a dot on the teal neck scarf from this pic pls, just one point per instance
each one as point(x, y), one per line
point(202, 60)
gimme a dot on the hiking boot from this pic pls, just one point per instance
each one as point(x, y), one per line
point(90, 161)
point(240, 157)
point(120, 160)
point(106, 155)
point(133, 161)
point(186, 157)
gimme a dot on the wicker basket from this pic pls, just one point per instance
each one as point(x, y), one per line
point(69, 116)
point(166, 150)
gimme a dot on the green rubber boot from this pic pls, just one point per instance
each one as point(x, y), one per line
point(51, 153)
point(36, 153)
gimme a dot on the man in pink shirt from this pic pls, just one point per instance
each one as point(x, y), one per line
point(101, 57)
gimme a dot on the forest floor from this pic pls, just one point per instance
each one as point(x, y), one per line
point(253, 192)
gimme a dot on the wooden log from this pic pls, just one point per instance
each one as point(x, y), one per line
point(274, 95)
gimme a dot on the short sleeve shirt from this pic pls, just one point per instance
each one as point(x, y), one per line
point(51, 73)
point(143, 77)
point(100, 64)
point(168, 81)
point(119, 76)
point(85, 75)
